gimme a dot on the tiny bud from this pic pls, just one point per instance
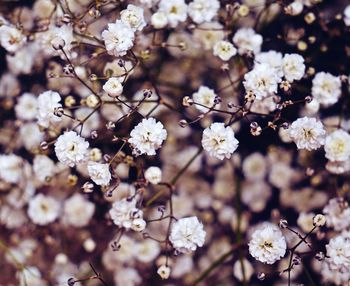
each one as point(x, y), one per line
point(69, 101)
point(283, 223)
point(320, 256)
point(187, 101)
point(66, 18)
point(92, 101)
point(249, 97)
point(182, 46)
point(93, 77)
point(285, 85)
point(138, 224)
point(285, 125)
point(121, 63)
point(58, 111)
point(110, 125)
point(93, 134)
point(308, 99)
point(261, 276)
point(44, 145)
point(88, 187)
point(71, 282)
point(164, 271)
point(106, 157)
point(296, 260)
point(217, 99)
point(310, 18)
point(147, 93)
point(68, 69)
point(183, 123)
point(58, 43)
point(309, 172)
point(319, 220)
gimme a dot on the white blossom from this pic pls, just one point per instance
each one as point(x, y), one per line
point(204, 96)
point(337, 146)
point(77, 211)
point(273, 59)
point(99, 173)
point(147, 250)
point(203, 10)
point(148, 136)
point(159, 20)
point(43, 167)
point(255, 167)
point(153, 175)
point(337, 213)
point(326, 88)
point(71, 149)
point(11, 167)
point(224, 50)
point(187, 234)
point(133, 17)
point(175, 11)
point(307, 133)
point(26, 107)
point(268, 244)
point(347, 15)
point(124, 213)
point(164, 271)
point(262, 81)
point(118, 38)
point(247, 41)
point(11, 38)
point(293, 67)
point(338, 253)
point(47, 102)
point(219, 141)
point(43, 209)
point(113, 86)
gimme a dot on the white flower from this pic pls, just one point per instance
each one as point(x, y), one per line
point(124, 213)
point(219, 141)
point(99, 173)
point(295, 8)
point(148, 136)
point(347, 15)
point(26, 107)
point(113, 86)
point(337, 146)
point(186, 234)
point(147, 250)
point(43, 210)
point(254, 167)
point(11, 167)
point(338, 253)
point(209, 34)
point(11, 38)
point(293, 67)
point(159, 20)
point(337, 214)
point(77, 211)
point(272, 58)
point(71, 149)
point(204, 96)
point(175, 11)
point(43, 167)
point(153, 175)
point(30, 276)
point(30, 135)
point(326, 88)
point(262, 80)
point(247, 41)
point(224, 50)
point(47, 102)
point(267, 244)
point(203, 10)
point(307, 133)
point(164, 271)
point(133, 17)
point(118, 38)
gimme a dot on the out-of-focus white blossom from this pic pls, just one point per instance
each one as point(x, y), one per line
point(203, 10)
point(175, 11)
point(159, 20)
point(43, 209)
point(204, 96)
point(247, 41)
point(11, 38)
point(77, 211)
point(11, 167)
point(337, 213)
point(337, 146)
point(133, 17)
point(347, 15)
point(48, 101)
point(113, 86)
point(338, 253)
point(44, 168)
point(326, 88)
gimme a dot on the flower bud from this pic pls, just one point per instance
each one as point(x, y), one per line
point(164, 271)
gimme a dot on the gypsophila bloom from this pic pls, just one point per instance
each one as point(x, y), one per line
point(175, 11)
point(159, 20)
point(47, 102)
point(347, 15)
point(204, 96)
point(26, 107)
point(153, 175)
point(124, 213)
point(224, 50)
point(133, 17)
point(77, 211)
point(307, 133)
point(71, 149)
point(203, 10)
point(164, 271)
point(113, 86)
point(262, 81)
point(272, 58)
point(11, 168)
point(43, 210)
point(319, 220)
point(219, 141)
point(148, 136)
point(268, 244)
point(337, 214)
point(337, 146)
point(187, 234)
point(118, 38)
point(247, 41)
point(338, 253)
point(255, 167)
point(99, 173)
point(293, 67)
point(44, 167)
point(326, 88)
point(11, 38)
